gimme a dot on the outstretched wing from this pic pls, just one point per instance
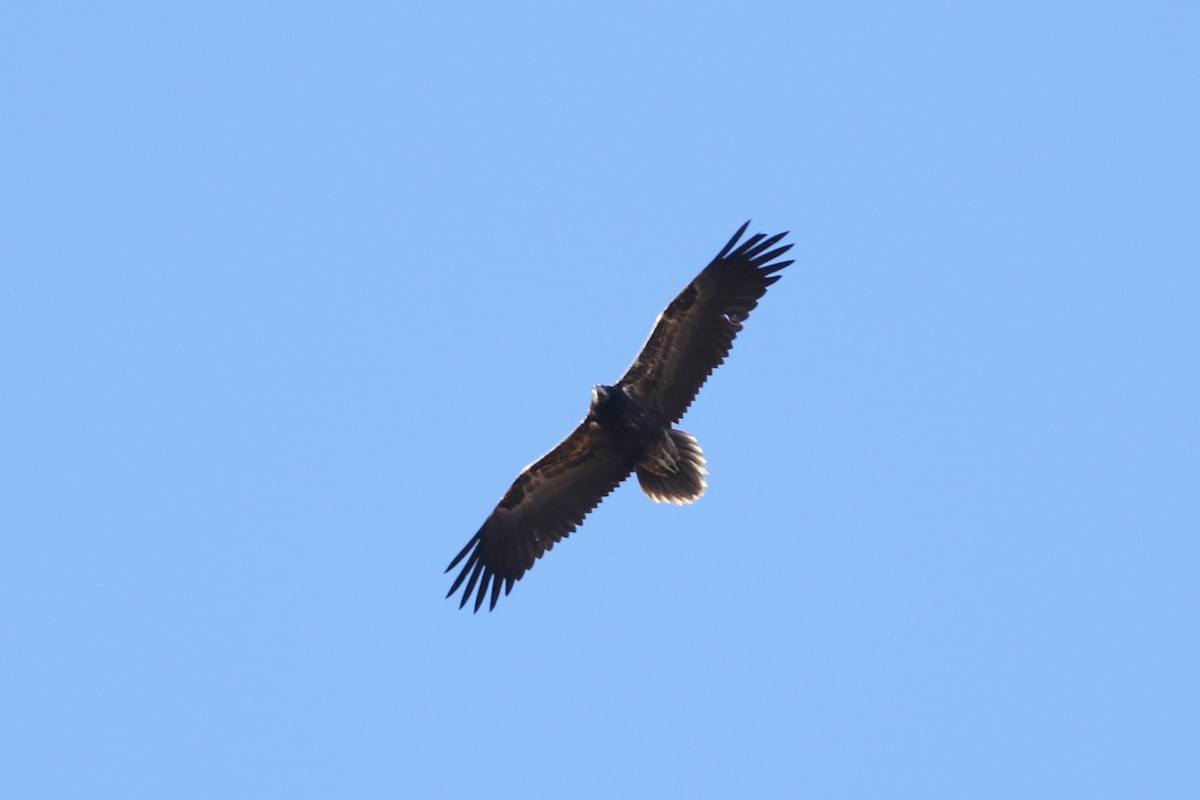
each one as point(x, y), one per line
point(692, 336)
point(547, 501)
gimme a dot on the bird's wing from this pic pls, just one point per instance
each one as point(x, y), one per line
point(547, 501)
point(692, 336)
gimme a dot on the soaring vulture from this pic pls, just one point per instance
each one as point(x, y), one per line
point(629, 426)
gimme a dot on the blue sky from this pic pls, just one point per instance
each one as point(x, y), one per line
point(290, 292)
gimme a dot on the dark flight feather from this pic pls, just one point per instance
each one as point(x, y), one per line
point(548, 500)
point(692, 337)
point(551, 497)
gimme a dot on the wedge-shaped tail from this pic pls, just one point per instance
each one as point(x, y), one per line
point(684, 485)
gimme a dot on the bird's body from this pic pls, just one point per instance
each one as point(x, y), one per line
point(668, 461)
point(629, 426)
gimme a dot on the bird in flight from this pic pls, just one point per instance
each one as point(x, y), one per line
point(629, 427)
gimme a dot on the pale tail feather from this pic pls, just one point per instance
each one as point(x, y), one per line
point(683, 486)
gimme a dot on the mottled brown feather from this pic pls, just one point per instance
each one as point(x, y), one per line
point(547, 501)
point(694, 334)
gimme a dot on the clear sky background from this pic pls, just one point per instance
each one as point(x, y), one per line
point(290, 292)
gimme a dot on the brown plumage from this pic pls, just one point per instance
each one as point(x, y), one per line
point(628, 427)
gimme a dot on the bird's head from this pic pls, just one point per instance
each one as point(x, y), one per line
point(605, 400)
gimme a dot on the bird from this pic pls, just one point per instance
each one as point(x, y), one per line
point(629, 427)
